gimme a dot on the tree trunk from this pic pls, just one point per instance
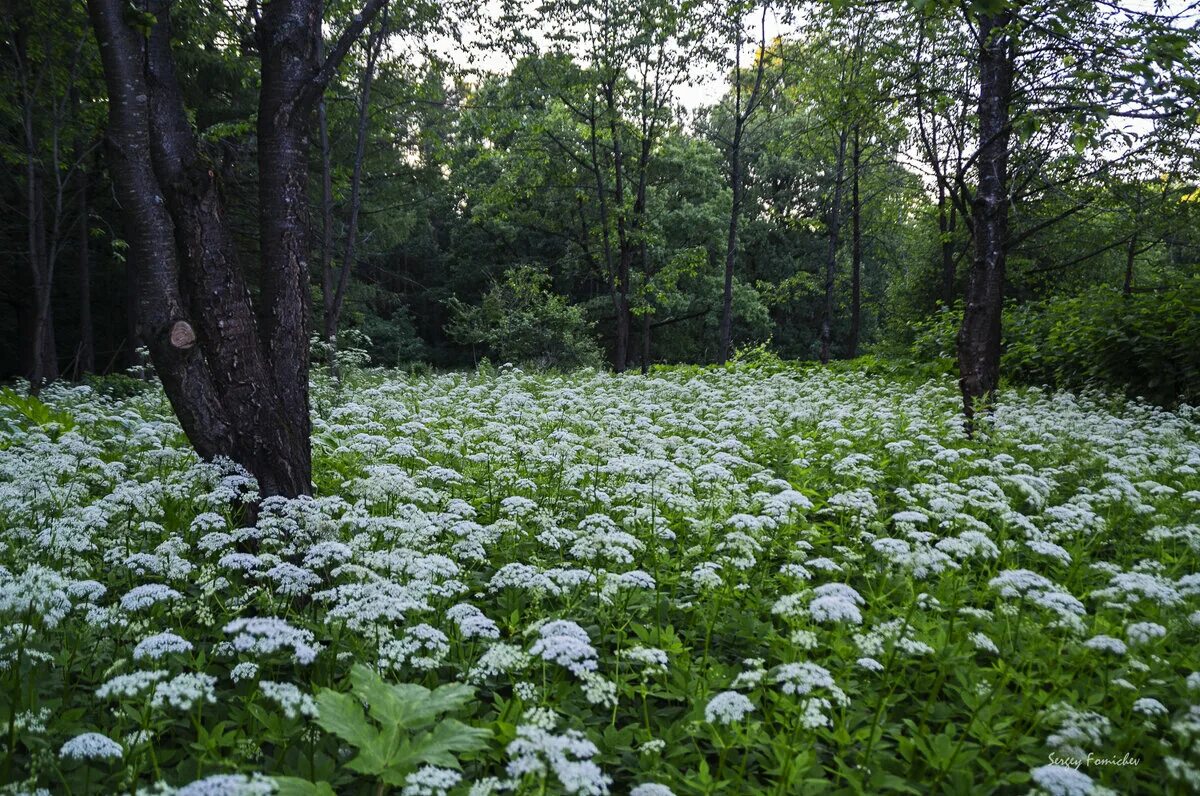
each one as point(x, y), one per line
point(150, 231)
point(328, 281)
point(42, 360)
point(646, 326)
point(270, 440)
point(290, 33)
point(85, 360)
point(735, 212)
point(741, 117)
point(835, 228)
point(237, 394)
point(979, 336)
point(333, 312)
point(947, 224)
point(1130, 256)
point(855, 248)
point(624, 248)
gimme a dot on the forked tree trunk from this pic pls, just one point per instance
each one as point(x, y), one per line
point(237, 392)
point(979, 336)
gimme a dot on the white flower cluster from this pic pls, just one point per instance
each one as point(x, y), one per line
point(563, 642)
point(568, 756)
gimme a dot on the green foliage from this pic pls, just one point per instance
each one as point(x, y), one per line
point(28, 411)
point(1144, 344)
point(392, 340)
point(403, 727)
point(119, 386)
point(522, 320)
point(935, 341)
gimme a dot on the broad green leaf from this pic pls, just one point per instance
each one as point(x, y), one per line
point(295, 786)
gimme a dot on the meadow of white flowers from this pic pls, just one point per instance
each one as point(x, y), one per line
point(723, 581)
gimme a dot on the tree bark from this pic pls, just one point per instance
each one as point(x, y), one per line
point(328, 280)
point(290, 34)
point(238, 393)
point(269, 439)
point(43, 360)
point(154, 268)
point(979, 336)
point(741, 118)
point(646, 327)
point(835, 228)
point(855, 247)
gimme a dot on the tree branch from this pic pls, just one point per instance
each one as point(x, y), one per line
point(340, 50)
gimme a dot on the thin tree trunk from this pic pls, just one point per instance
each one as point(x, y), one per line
point(646, 326)
point(328, 281)
point(1130, 257)
point(741, 117)
point(624, 247)
point(979, 336)
point(735, 213)
point(86, 358)
point(41, 361)
point(855, 248)
point(835, 228)
point(334, 312)
point(947, 223)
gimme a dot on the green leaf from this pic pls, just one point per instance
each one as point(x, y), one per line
point(295, 786)
point(342, 715)
point(437, 747)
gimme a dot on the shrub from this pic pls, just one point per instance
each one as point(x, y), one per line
point(522, 320)
point(1146, 345)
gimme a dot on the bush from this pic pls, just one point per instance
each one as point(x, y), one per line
point(1146, 345)
point(522, 320)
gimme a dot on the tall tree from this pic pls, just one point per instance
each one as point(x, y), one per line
point(334, 285)
point(979, 336)
point(239, 384)
point(47, 62)
point(1079, 66)
point(746, 102)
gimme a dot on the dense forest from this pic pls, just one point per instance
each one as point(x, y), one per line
point(647, 181)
